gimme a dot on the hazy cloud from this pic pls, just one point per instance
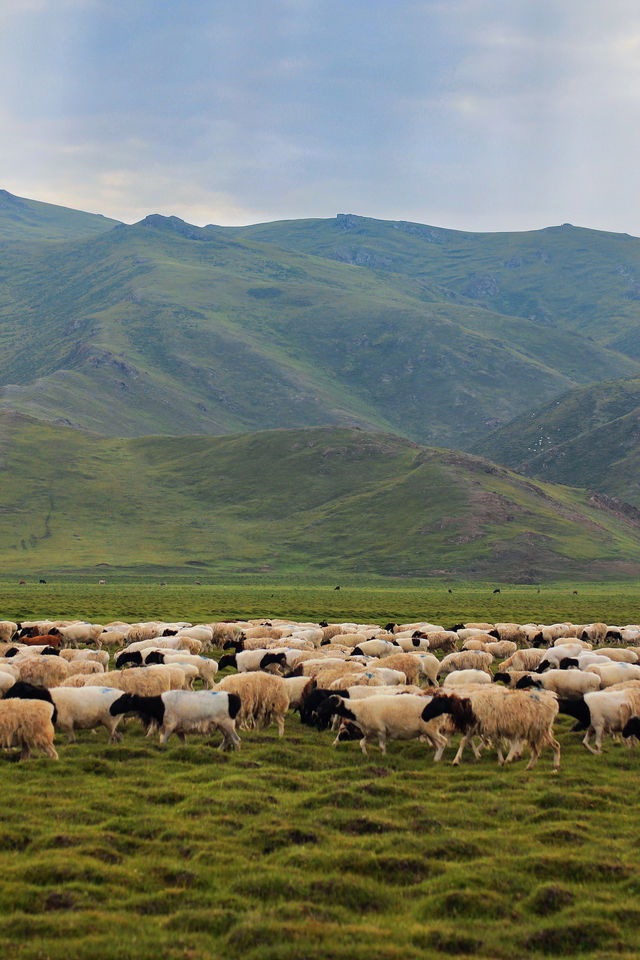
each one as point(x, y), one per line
point(466, 113)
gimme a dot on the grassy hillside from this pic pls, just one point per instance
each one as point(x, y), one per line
point(319, 501)
point(167, 328)
point(22, 219)
point(587, 281)
point(587, 437)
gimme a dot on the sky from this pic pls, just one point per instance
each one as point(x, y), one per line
point(468, 114)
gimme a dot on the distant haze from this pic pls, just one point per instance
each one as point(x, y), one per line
point(471, 114)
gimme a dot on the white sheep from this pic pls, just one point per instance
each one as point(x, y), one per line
point(466, 660)
point(186, 711)
point(7, 630)
point(612, 672)
point(568, 684)
point(85, 708)
point(388, 718)
point(609, 712)
point(459, 678)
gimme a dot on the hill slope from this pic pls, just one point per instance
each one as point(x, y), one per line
point(22, 219)
point(580, 280)
point(589, 436)
point(317, 501)
point(162, 327)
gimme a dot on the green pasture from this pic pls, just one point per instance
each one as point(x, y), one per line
point(359, 600)
point(293, 849)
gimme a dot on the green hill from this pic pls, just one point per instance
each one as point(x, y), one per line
point(162, 327)
point(580, 280)
point(22, 219)
point(589, 436)
point(324, 501)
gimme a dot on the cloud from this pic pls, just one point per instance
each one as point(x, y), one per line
point(467, 113)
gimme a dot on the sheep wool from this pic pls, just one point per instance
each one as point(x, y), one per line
point(27, 724)
point(263, 699)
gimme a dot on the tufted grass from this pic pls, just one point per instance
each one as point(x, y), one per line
point(293, 849)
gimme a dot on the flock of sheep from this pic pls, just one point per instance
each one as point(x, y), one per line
point(503, 684)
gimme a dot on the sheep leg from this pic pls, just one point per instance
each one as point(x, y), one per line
point(441, 743)
point(515, 751)
point(555, 746)
point(477, 749)
point(280, 723)
point(165, 733)
point(363, 745)
point(587, 744)
point(464, 741)
point(535, 753)
point(382, 742)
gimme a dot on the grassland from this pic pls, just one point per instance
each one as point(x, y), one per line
point(293, 849)
point(329, 502)
point(377, 602)
point(588, 436)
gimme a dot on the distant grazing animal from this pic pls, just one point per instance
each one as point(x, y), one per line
point(497, 590)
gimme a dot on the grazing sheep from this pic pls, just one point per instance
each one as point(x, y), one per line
point(264, 699)
point(186, 711)
point(595, 633)
point(27, 724)
point(429, 666)
point(253, 660)
point(137, 680)
point(528, 659)
point(574, 641)
point(71, 655)
point(84, 709)
point(512, 632)
point(568, 684)
point(612, 672)
point(410, 664)
point(609, 712)
point(509, 677)
point(76, 667)
point(383, 718)
point(7, 630)
point(298, 688)
point(461, 678)
point(206, 667)
point(466, 660)
point(43, 671)
point(618, 654)
point(494, 713)
point(77, 633)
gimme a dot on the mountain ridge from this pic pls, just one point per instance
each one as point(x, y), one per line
point(162, 326)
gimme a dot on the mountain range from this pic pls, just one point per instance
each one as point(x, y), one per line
point(182, 356)
point(438, 336)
